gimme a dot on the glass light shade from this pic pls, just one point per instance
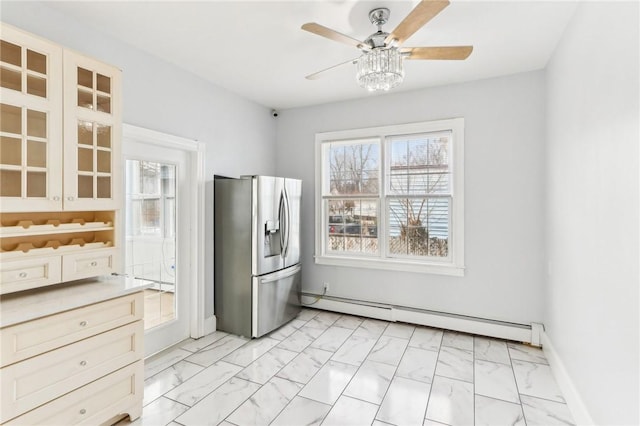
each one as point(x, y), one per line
point(380, 69)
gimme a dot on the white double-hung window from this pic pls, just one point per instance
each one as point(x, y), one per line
point(392, 197)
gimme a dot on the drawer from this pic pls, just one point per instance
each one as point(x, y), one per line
point(118, 393)
point(28, 339)
point(18, 275)
point(90, 264)
point(35, 381)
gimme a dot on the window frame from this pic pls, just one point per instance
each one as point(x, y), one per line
point(454, 263)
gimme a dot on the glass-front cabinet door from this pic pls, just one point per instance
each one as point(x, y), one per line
point(30, 122)
point(92, 109)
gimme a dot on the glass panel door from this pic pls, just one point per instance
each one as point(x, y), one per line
point(151, 236)
point(158, 244)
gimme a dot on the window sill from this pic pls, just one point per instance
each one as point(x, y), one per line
point(391, 265)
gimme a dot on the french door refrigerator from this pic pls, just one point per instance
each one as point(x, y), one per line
point(257, 253)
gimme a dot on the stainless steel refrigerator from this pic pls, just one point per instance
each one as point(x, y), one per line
point(257, 253)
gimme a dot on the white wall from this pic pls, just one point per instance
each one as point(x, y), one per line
point(592, 208)
point(504, 152)
point(239, 134)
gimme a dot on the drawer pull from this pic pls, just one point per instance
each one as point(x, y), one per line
point(83, 323)
point(22, 275)
point(94, 263)
point(83, 411)
point(83, 363)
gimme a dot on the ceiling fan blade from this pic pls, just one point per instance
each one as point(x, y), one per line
point(323, 31)
point(418, 17)
point(317, 75)
point(446, 52)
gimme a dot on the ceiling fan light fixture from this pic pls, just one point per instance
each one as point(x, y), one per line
point(380, 69)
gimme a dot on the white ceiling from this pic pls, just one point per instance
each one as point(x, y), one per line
point(257, 49)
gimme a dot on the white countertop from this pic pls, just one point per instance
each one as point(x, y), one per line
point(27, 305)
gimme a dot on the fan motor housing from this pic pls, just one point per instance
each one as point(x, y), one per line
point(376, 39)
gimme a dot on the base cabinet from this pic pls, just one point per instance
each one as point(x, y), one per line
point(81, 366)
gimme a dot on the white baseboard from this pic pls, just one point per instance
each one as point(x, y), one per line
point(363, 310)
point(501, 330)
point(209, 325)
point(577, 407)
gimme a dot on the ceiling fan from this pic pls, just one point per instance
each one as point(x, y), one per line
point(380, 65)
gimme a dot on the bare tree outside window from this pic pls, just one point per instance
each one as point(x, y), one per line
point(419, 195)
point(353, 181)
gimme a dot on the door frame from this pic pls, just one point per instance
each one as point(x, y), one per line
point(196, 170)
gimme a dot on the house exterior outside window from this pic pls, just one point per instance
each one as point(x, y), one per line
point(392, 197)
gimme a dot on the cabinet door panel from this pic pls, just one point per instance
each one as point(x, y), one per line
point(92, 134)
point(31, 117)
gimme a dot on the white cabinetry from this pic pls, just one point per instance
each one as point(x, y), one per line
point(60, 173)
point(80, 366)
point(30, 122)
point(92, 133)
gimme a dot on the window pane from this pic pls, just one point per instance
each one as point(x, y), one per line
point(419, 164)
point(419, 227)
point(352, 168)
point(150, 178)
point(150, 217)
point(352, 226)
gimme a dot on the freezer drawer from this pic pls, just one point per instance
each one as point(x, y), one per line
point(276, 300)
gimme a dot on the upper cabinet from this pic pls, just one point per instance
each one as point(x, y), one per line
point(60, 128)
point(92, 129)
point(30, 122)
point(60, 177)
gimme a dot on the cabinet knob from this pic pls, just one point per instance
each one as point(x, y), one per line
point(56, 198)
point(22, 275)
point(83, 363)
point(94, 263)
point(69, 198)
point(83, 324)
point(83, 411)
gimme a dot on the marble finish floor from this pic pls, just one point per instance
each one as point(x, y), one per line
point(332, 369)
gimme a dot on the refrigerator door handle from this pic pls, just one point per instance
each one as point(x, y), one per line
point(288, 223)
point(280, 275)
point(283, 225)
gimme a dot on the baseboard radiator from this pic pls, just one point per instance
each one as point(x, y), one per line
point(484, 327)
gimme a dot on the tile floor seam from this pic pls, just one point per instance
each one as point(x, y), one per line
point(305, 384)
point(473, 366)
point(338, 362)
point(281, 410)
point(285, 406)
point(433, 380)
point(375, 417)
point(424, 414)
point(513, 373)
point(241, 403)
point(261, 385)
